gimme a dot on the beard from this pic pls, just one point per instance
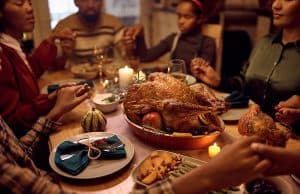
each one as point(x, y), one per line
point(91, 18)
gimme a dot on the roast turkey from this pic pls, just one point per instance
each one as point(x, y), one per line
point(181, 108)
point(255, 122)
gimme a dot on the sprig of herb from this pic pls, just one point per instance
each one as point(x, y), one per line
point(111, 98)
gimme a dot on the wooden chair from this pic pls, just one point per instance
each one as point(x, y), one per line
point(215, 31)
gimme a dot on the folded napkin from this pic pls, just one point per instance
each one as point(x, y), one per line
point(77, 162)
point(73, 157)
point(237, 100)
point(53, 87)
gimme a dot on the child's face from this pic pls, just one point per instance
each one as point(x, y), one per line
point(187, 20)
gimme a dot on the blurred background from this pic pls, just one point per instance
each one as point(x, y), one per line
point(243, 22)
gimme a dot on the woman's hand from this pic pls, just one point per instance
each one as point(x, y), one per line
point(66, 39)
point(204, 72)
point(283, 161)
point(288, 111)
point(68, 98)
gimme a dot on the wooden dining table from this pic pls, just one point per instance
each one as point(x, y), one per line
point(121, 181)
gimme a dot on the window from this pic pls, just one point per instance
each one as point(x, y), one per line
point(59, 10)
point(128, 11)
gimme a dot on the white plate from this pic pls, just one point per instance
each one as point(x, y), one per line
point(233, 114)
point(97, 168)
point(44, 90)
point(190, 79)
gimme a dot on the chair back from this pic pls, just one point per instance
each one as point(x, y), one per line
point(215, 31)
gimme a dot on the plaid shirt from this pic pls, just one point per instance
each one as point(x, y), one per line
point(18, 173)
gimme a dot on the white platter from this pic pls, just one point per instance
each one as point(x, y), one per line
point(96, 168)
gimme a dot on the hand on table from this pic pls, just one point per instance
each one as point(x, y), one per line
point(204, 72)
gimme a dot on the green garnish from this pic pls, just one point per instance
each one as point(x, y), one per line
point(111, 98)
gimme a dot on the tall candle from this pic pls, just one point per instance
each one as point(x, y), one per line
point(213, 150)
point(125, 77)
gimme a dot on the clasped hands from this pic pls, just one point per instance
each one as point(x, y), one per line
point(65, 38)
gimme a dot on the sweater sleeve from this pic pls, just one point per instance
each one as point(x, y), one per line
point(42, 58)
point(157, 51)
point(208, 51)
point(39, 133)
point(23, 116)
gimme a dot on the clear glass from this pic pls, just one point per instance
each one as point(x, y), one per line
point(176, 66)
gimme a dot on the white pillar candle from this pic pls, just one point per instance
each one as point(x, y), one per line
point(125, 77)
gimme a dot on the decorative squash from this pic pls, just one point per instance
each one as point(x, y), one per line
point(93, 120)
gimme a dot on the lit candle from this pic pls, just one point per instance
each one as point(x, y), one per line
point(213, 150)
point(125, 77)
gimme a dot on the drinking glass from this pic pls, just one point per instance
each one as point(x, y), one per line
point(176, 66)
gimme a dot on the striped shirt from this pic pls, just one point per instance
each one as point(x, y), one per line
point(105, 33)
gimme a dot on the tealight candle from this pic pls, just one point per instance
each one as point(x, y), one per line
point(125, 77)
point(213, 150)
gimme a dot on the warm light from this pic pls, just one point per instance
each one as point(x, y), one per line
point(213, 150)
point(125, 77)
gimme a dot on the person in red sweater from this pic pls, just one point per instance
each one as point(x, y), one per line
point(21, 103)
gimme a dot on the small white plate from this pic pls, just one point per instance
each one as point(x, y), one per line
point(233, 114)
point(190, 80)
point(97, 168)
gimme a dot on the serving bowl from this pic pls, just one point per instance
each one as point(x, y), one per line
point(106, 102)
point(175, 140)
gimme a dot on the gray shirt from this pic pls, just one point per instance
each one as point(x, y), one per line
point(188, 47)
point(272, 74)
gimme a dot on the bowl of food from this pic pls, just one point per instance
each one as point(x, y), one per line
point(106, 102)
point(85, 70)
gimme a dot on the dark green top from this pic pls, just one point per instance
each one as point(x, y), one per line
point(272, 73)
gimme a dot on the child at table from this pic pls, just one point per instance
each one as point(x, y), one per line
point(187, 44)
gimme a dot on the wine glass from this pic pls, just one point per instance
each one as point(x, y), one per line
point(99, 56)
point(176, 67)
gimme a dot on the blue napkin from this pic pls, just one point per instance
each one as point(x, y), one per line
point(237, 100)
point(79, 159)
point(75, 164)
point(53, 87)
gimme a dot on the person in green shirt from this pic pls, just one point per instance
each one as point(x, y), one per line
point(272, 74)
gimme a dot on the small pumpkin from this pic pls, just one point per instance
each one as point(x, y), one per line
point(93, 120)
